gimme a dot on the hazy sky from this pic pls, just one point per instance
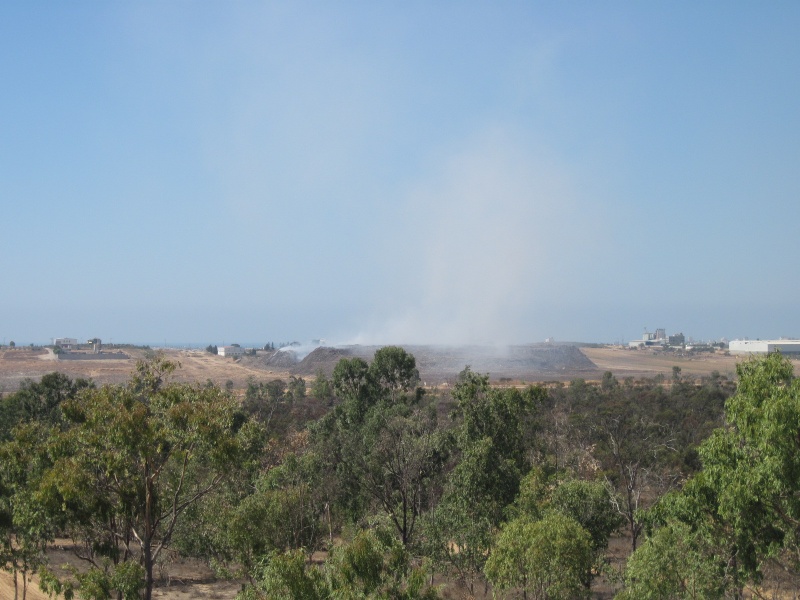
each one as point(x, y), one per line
point(396, 172)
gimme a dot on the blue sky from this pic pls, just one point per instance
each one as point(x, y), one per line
point(398, 172)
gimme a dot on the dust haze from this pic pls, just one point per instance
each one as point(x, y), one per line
point(484, 242)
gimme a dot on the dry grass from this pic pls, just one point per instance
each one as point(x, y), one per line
point(196, 366)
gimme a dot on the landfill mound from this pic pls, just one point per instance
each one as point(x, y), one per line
point(274, 360)
point(436, 364)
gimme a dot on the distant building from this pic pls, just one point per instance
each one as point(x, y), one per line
point(764, 346)
point(659, 338)
point(230, 351)
point(648, 339)
point(66, 343)
point(676, 340)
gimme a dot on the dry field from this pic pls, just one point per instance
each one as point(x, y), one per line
point(436, 365)
point(196, 366)
point(648, 363)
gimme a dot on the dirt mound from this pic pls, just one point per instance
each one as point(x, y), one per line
point(526, 362)
point(436, 364)
point(280, 360)
point(324, 358)
point(118, 355)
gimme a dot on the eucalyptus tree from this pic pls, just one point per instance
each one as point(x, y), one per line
point(547, 559)
point(134, 458)
point(382, 440)
point(492, 437)
point(743, 508)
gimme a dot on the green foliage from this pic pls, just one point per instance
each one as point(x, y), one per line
point(263, 401)
point(394, 370)
point(676, 562)
point(742, 509)
point(296, 388)
point(283, 512)
point(754, 464)
point(381, 444)
point(29, 418)
point(492, 436)
point(133, 458)
point(547, 559)
point(38, 401)
point(588, 503)
point(353, 383)
point(373, 566)
point(459, 533)
point(285, 575)
point(322, 388)
point(609, 382)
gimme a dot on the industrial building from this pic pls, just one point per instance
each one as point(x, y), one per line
point(764, 346)
point(230, 351)
point(66, 343)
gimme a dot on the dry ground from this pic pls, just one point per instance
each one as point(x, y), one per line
point(199, 366)
point(196, 366)
point(647, 363)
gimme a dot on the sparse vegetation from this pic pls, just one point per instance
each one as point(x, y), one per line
point(503, 489)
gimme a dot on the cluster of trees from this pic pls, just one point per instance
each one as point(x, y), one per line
point(517, 490)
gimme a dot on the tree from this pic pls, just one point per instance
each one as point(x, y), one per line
point(690, 551)
point(459, 530)
point(630, 443)
point(753, 465)
point(134, 458)
point(546, 559)
point(354, 384)
point(285, 575)
point(373, 566)
point(38, 401)
point(676, 562)
point(588, 503)
point(380, 442)
point(322, 389)
point(263, 399)
point(492, 429)
point(27, 420)
point(742, 508)
point(25, 527)
point(238, 526)
point(394, 370)
point(608, 382)
point(397, 461)
point(296, 388)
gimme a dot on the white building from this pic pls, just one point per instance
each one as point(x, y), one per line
point(230, 351)
point(65, 342)
point(764, 346)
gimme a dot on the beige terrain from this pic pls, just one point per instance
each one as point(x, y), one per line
point(435, 365)
point(648, 363)
point(196, 366)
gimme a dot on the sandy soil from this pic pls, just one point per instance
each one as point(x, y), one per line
point(646, 363)
point(196, 366)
